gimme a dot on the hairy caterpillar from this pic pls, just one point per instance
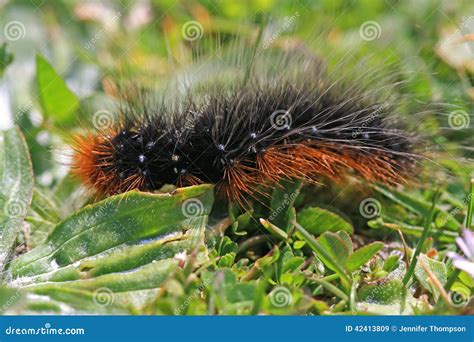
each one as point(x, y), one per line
point(248, 123)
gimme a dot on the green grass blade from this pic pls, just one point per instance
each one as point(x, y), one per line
point(321, 251)
point(424, 236)
point(16, 189)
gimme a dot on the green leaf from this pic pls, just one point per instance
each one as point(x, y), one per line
point(420, 207)
point(8, 298)
point(292, 264)
point(274, 230)
point(436, 267)
point(347, 240)
point(331, 288)
point(54, 299)
point(466, 279)
point(281, 205)
point(42, 217)
point(391, 263)
point(226, 260)
point(39, 231)
point(227, 246)
point(362, 255)
point(142, 234)
point(135, 232)
point(69, 195)
point(299, 244)
point(57, 101)
point(336, 247)
point(16, 188)
point(243, 292)
point(227, 291)
point(242, 221)
point(5, 58)
point(318, 220)
point(442, 235)
point(42, 206)
point(385, 291)
point(325, 256)
point(149, 276)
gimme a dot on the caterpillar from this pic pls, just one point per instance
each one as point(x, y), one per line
point(249, 123)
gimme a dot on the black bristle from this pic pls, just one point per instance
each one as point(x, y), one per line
point(214, 127)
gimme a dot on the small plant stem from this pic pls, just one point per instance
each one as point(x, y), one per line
point(424, 236)
point(331, 277)
point(405, 247)
point(470, 212)
point(331, 288)
point(435, 281)
point(317, 247)
point(353, 295)
point(452, 278)
point(470, 206)
point(256, 240)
